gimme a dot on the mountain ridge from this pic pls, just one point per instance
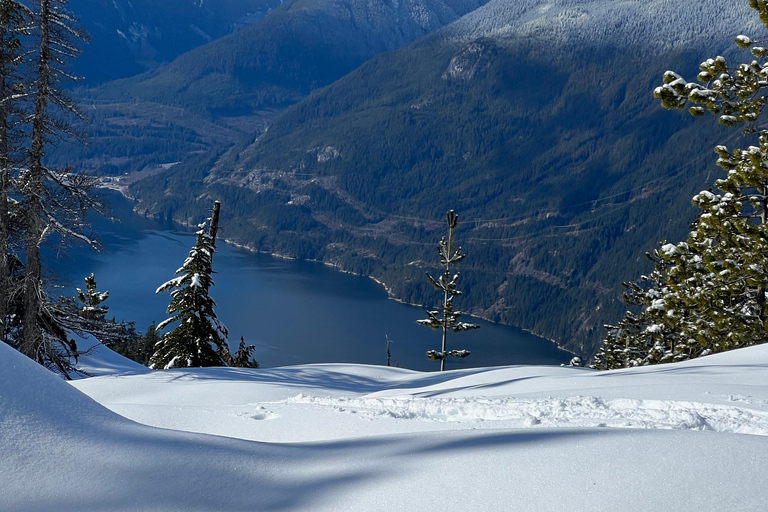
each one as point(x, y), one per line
point(241, 81)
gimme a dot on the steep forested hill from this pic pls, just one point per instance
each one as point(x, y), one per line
point(533, 119)
point(131, 36)
point(236, 84)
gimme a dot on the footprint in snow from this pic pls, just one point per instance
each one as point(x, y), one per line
point(260, 414)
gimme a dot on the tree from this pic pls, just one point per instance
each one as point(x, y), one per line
point(91, 300)
point(708, 294)
point(447, 284)
point(147, 345)
point(54, 200)
point(243, 357)
point(86, 313)
point(13, 18)
point(198, 338)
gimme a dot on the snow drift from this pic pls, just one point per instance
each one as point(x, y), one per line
point(374, 438)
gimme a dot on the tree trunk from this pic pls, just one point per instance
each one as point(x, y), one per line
point(215, 221)
point(445, 320)
point(6, 54)
point(4, 217)
point(763, 219)
point(33, 334)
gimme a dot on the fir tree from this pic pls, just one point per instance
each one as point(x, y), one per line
point(447, 284)
point(143, 354)
point(708, 294)
point(86, 313)
point(198, 338)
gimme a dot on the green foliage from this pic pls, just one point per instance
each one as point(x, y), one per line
point(86, 313)
point(198, 338)
point(708, 294)
point(136, 347)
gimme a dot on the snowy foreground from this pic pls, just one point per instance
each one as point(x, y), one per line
point(691, 436)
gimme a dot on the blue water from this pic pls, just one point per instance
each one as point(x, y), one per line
point(293, 311)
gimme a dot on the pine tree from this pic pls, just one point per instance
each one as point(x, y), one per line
point(86, 313)
point(447, 284)
point(198, 339)
point(708, 294)
point(147, 345)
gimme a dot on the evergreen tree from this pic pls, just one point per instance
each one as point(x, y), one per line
point(198, 339)
point(86, 313)
point(54, 200)
point(147, 345)
point(243, 357)
point(91, 300)
point(447, 284)
point(708, 294)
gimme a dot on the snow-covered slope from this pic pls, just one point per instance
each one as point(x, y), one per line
point(374, 438)
point(98, 360)
point(651, 26)
point(729, 397)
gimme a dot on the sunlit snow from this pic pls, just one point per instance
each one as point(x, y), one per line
point(685, 436)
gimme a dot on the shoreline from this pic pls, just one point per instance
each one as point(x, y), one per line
point(336, 267)
point(390, 295)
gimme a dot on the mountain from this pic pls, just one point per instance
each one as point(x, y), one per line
point(235, 85)
point(533, 119)
point(129, 37)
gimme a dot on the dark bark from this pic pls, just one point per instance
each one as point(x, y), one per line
point(33, 191)
point(215, 221)
point(9, 19)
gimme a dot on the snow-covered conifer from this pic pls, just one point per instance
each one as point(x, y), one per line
point(91, 300)
point(708, 294)
point(243, 358)
point(447, 284)
point(198, 338)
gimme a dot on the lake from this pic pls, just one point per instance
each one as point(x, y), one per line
point(294, 312)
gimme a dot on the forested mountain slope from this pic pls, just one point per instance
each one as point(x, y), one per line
point(533, 119)
point(235, 85)
point(131, 36)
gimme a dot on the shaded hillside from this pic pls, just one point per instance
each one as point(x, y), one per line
point(534, 120)
point(130, 37)
point(301, 46)
point(239, 82)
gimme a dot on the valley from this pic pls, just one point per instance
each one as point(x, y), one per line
point(561, 165)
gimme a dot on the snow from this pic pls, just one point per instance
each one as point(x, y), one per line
point(670, 250)
point(99, 360)
point(685, 436)
point(642, 27)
